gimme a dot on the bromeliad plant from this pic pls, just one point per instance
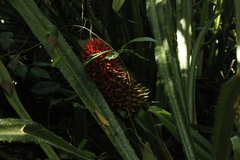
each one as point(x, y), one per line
point(122, 93)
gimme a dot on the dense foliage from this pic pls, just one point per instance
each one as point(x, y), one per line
point(184, 52)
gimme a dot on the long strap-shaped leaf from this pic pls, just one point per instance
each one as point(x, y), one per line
point(70, 67)
point(25, 131)
point(13, 99)
point(155, 11)
point(224, 120)
point(203, 147)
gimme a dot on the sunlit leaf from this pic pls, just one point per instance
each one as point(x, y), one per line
point(112, 56)
point(236, 147)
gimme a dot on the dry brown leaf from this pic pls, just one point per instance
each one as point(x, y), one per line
point(7, 87)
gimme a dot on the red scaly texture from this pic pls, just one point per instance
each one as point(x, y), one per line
point(121, 92)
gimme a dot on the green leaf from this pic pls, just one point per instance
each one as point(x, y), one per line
point(192, 69)
point(94, 56)
point(41, 64)
point(22, 70)
point(82, 144)
point(168, 69)
point(206, 129)
point(224, 118)
point(41, 73)
point(28, 131)
point(56, 60)
point(13, 100)
point(45, 87)
point(117, 4)
point(203, 147)
point(75, 104)
point(147, 152)
point(145, 120)
point(5, 39)
point(236, 147)
point(143, 39)
point(140, 39)
point(112, 56)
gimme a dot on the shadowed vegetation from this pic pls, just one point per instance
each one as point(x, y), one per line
point(159, 82)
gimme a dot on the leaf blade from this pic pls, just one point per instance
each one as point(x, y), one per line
point(28, 131)
point(117, 4)
point(40, 73)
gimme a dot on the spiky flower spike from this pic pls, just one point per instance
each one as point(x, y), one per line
point(122, 93)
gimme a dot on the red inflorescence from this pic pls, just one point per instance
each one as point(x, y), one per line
point(121, 92)
point(94, 45)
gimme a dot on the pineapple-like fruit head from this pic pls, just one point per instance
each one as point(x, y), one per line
point(122, 93)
